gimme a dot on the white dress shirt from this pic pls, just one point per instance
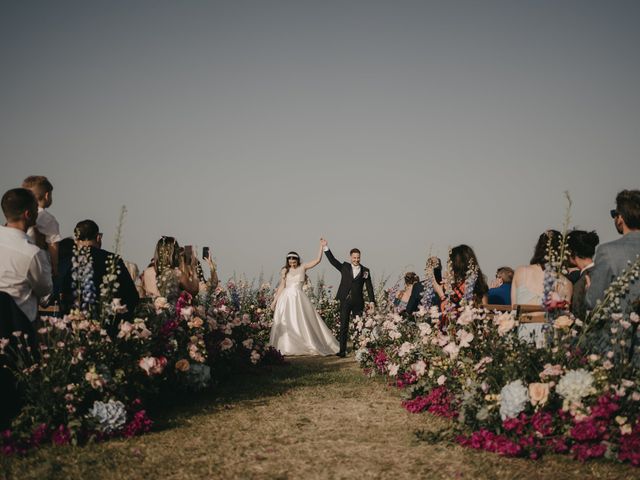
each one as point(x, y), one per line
point(25, 271)
point(46, 225)
point(355, 270)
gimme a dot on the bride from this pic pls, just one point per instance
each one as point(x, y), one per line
point(297, 327)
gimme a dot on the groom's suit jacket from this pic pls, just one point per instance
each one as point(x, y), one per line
point(349, 285)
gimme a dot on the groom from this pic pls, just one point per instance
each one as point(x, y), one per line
point(354, 278)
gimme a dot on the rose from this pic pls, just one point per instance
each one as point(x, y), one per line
point(152, 365)
point(196, 322)
point(182, 365)
point(248, 343)
point(538, 393)
point(160, 303)
point(562, 322)
point(505, 322)
point(226, 344)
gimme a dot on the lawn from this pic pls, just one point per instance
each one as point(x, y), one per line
point(312, 418)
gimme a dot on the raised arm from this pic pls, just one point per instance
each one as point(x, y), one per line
point(331, 258)
point(315, 262)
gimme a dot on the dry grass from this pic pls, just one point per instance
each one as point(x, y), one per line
point(313, 418)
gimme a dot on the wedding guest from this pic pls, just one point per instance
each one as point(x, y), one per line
point(88, 235)
point(500, 290)
point(612, 258)
point(417, 291)
point(463, 260)
point(403, 297)
point(527, 287)
point(433, 269)
point(134, 273)
point(46, 227)
point(170, 264)
point(65, 255)
point(582, 247)
point(25, 269)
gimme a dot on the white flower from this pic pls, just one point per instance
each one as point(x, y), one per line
point(360, 354)
point(441, 380)
point(405, 348)
point(465, 338)
point(419, 367)
point(466, 317)
point(393, 369)
point(452, 349)
point(425, 329)
point(575, 385)
point(110, 416)
point(394, 334)
point(248, 343)
point(514, 397)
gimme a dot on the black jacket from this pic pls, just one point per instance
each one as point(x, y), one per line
point(126, 290)
point(349, 286)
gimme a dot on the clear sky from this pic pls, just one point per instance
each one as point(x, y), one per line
point(258, 126)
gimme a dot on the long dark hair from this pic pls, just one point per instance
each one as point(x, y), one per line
point(462, 257)
point(550, 241)
point(166, 255)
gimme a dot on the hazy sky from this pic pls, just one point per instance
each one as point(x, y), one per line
point(256, 127)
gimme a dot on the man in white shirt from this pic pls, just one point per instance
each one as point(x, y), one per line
point(25, 270)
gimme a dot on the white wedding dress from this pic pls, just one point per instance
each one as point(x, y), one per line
point(297, 328)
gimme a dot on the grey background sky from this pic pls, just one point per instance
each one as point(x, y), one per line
point(256, 127)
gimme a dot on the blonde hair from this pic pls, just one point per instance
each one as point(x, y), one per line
point(39, 185)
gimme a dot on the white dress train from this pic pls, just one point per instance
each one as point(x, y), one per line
point(297, 328)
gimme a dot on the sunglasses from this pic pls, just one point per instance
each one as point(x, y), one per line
point(614, 213)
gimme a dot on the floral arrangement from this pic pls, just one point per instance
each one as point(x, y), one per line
point(81, 380)
point(575, 395)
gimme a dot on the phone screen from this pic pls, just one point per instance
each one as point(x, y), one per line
point(205, 252)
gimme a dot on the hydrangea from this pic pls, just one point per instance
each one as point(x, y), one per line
point(575, 385)
point(361, 354)
point(199, 376)
point(514, 397)
point(110, 416)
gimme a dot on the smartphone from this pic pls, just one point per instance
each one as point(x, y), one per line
point(188, 253)
point(205, 253)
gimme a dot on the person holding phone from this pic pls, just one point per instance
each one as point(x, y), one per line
point(172, 260)
point(213, 281)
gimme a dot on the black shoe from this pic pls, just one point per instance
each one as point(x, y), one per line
point(341, 354)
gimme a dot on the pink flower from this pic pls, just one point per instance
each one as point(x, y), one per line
point(152, 365)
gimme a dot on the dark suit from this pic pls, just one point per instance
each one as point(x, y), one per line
point(12, 319)
point(126, 290)
point(350, 294)
point(416, 297)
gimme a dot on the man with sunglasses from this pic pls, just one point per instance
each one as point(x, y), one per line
point(613, 257)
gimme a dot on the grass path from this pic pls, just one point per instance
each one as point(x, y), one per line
point(312, 418)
